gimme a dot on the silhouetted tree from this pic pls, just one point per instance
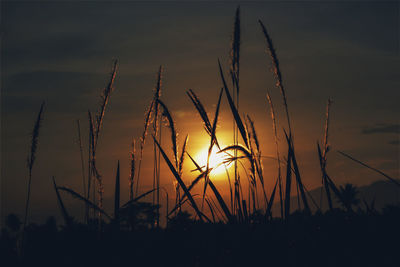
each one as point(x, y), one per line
point(138, 215)
point(182, 220)
point(348, 196)
point(13, 222)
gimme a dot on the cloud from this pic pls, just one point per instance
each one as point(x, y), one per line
point(382, 128)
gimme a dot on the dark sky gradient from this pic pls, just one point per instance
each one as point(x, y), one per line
point(62, 53)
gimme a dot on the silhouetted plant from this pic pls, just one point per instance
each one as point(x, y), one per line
point(13, 222)
point(182, 220)
point(138, 215)
point(32, 157)
point(348, 196)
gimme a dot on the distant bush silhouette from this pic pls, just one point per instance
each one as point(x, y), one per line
point(348, 196)
point(13, 222)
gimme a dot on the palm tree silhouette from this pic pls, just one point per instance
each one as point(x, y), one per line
point(348, 196)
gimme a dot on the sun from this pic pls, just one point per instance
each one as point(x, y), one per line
point(216, 163)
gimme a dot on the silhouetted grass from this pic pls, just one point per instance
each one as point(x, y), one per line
point(240, 232)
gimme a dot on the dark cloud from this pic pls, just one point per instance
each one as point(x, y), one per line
point(394, 142)
point(382, 129)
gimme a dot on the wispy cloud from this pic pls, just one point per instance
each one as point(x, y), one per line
point(382, 128)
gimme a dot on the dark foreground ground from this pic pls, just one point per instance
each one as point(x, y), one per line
point(332, 239)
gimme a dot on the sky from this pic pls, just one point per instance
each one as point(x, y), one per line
point(62, 53)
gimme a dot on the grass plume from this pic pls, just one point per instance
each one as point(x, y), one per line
point(32, 157)
point(276, 70)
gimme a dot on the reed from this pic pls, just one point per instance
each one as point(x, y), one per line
point(274, 128)
point(32, 157)
point(105, 96)
point(171, 124)
point(95, 128)
point(322, 155)
point(212, 142)
point(279, 83)
point(257, 158)
point(151, 112)
point(201, 110)
point(132, 169)
point(81, 155)
point(234, 72)
point(276, 71)
point(288, 182)
point(147, 121)
point(117, 195)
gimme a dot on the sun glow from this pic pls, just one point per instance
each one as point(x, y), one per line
point(216, 163)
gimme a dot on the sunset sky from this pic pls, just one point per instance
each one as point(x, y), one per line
point(62, 53)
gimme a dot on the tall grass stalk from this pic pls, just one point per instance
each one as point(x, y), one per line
point(90, 156)
point(82, 160)
point(95, 132)
point(234, 71)
point(274, 128)
point(81, 155)
point(322, 154)
point(171, 125)
point(132, 169)
point(117, 195)
point(104, 100)
point(277, 72)
point(213, 141)
point(147, 121)
point(279, 83)
point(157, 131)
point(288, 182)
point(32, 158)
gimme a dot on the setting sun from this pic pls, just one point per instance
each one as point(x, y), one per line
point(216, 162)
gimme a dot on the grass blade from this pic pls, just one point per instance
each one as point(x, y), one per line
point(274, 123)
point(64, 212)
point(178, 178)
point(371, 168)
point(87, 201)
point(288, 183)
point(138, 198)
point(117, 195)
point(234, 110)
point(271, 201)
